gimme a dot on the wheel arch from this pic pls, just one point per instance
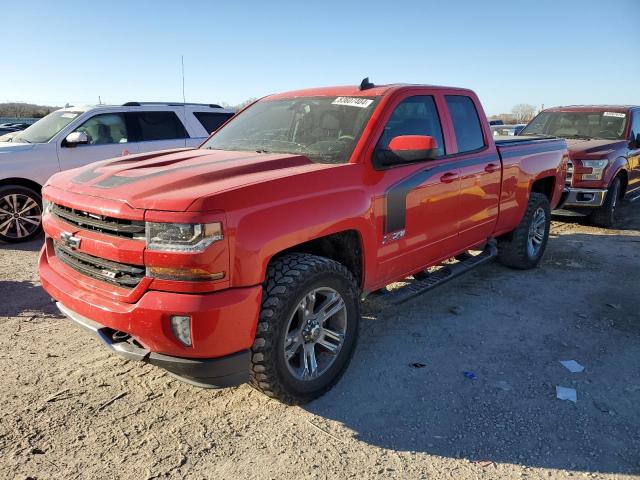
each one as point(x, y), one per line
point(545, 186)
point(345, 247)
point(21, 182)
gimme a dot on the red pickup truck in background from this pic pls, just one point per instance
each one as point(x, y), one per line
point(604, 145)
point(247, 258)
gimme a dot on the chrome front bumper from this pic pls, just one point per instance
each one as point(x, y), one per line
point(585, 197)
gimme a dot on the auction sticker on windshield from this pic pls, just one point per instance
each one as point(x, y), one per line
point(353, 102)
point(613, 114)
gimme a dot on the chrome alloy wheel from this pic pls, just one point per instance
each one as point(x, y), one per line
point(315, 334)
point(20, 216)
point(537, 231)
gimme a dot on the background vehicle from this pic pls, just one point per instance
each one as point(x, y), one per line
point(75, 136)
point(604, 145)
point(8, 129)
point(496, 122)
point(16, 125)
point(507, 130)
point(247, 258)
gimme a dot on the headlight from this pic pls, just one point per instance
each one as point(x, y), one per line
point(46, 206)
point(182, 237)
point(597, 169)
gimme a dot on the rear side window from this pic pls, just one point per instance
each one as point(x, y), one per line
point(466, 123)
point(152, 126)
point(414, 116)
point(212, 121)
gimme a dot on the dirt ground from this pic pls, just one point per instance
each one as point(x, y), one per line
point(71, 409)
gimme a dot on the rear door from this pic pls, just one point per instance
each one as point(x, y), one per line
point(420, 200)
point(109, 137)
point(157, 130)
point(480, 170)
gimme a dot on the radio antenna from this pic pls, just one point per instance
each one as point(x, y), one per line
point(184, 100)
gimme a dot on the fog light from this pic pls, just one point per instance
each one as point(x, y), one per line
point(181, 328)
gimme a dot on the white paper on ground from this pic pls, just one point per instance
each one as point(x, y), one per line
point(564, 393)
point(572, 366)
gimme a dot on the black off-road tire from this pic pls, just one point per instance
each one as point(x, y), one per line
point(604, 216)
point(513, 248)
point(287, 281)
point(23, 192)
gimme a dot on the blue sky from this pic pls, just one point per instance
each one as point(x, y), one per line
point(539, 52)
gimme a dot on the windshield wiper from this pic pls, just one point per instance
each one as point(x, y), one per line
point(20, 140)
point(262, 150)
point(581, 137)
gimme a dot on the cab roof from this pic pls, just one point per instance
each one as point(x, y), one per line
point(592, 108)
point(355, 91)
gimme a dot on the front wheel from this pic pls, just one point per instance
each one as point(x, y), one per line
point(523, 248)
point(20, 214)
point(604, 216)
point(307, 328)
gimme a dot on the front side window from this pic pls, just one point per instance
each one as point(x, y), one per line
point(46, 128)
point(578, 124)
point(158, 126)
point(324, 129)
point(105, 129)
point(466, 123)
point(414, 116)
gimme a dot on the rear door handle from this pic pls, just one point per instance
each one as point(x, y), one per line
point(449, 177)
point(491, 167)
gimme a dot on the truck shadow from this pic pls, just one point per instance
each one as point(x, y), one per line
point(406, 388)
point(25, 297)
point(30, 246)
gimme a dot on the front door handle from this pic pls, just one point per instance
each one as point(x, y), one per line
point(449, 177)
point(491, 167)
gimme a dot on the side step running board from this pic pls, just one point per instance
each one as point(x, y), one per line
point(443, 274)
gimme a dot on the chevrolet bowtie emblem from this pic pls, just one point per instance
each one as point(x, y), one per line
point(69, 240)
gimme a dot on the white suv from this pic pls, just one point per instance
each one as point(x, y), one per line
point(74, 136)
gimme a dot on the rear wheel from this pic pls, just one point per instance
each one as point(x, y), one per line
point(307, 328)
point(604, 216)
point(20, 214)
point(523, 248)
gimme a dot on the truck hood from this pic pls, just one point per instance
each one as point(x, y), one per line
point(596, 148)
point(173, 180)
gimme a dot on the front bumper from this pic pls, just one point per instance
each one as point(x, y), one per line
point(226, 371)
point(585, 197)
point(223, 324)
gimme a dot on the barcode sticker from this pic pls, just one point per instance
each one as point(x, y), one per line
point(613, 114)
point(353, 101)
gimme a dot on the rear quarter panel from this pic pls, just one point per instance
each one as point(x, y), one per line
point(523, 164)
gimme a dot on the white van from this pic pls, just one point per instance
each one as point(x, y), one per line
point(75, 136)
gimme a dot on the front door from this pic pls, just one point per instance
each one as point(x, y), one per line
point(419, 202)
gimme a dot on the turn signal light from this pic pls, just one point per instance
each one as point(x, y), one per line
point(183, 274)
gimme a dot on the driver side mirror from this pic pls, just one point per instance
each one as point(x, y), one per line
point(76, 138)
point(408, 149)
point(636, 141)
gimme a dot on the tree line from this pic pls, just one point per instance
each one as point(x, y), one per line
point(25, 110)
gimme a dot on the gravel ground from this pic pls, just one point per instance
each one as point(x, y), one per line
point(404, 409)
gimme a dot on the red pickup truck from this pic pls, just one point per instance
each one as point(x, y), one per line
point(247, 258)
point(604, 146)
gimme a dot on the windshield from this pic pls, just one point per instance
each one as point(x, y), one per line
point(45, 129)
point(324, 129)
point(607, 125)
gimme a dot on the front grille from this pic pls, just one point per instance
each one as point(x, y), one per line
point(569, 180)
point(121, 274)
point(99, 223)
